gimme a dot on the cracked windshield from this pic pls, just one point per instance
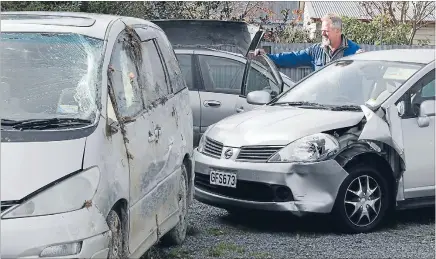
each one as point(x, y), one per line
point(217, 129)
point(49, 75)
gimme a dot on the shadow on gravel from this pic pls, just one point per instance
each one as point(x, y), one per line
point(313, 224)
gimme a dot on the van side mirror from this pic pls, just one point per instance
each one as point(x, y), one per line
point(258, 97)
point(426, 109)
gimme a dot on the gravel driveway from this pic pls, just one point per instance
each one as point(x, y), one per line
point(214, 234)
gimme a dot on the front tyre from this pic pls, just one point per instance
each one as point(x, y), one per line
point(362, 200)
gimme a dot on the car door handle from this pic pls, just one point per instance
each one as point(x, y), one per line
point(212, 103)
point(240, 109)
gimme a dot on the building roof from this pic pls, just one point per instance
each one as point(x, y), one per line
point(317, 10)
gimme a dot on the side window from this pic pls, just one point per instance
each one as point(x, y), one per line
point(185, 62)
point(221, 74)
point(123, 75)
point(174, 71)
point(152, 74)
point(423, 90)
point(260, 81)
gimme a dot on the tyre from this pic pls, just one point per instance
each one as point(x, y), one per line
point(362, 201)
point(116, 240)
point(177, 235)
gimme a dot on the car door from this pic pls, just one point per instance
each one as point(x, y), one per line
point(136, 122)
point(164, 136)
point(191, 75)
point(260, 75)
point(221, 85)
point(419, 142)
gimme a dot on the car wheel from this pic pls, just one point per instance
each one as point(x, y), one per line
point(116, 240)
point(177, 235)
point(362, 200)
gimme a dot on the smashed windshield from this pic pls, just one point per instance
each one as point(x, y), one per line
point(351, 82)
point(49, 75)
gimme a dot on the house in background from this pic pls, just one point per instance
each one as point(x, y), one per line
point(314, 11)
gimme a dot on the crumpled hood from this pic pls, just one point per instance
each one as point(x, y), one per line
point(29, 166)
point(275, 125)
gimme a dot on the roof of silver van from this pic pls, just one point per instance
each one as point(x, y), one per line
point(90, 24)
point(423, 56)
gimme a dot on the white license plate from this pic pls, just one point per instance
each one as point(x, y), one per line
point(223, 178)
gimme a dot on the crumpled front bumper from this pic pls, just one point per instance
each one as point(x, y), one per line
point(28, 237)
point(314, 186)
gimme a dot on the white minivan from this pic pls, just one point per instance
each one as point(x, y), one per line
point(96, 140)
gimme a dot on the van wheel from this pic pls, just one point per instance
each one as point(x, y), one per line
point(116, 241)
point(362, 200)
point(177, 235)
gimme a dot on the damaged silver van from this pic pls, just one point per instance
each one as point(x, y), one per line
point(355, 140)
point(96, 140)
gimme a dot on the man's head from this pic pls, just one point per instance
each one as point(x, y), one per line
point(331, 29)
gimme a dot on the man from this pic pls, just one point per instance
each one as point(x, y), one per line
point(334, 45)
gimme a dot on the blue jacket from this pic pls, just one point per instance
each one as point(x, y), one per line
point(315, 56)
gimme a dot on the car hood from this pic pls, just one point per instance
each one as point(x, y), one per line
point(29, 166)
point(274, 125)
point(211, 33)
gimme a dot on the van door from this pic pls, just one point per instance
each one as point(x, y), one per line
point(260, 74)
point(136, 122)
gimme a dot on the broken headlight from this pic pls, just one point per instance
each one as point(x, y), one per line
point(307, 149)
point(68, 195)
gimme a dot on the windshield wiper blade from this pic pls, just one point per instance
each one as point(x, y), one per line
point(346, 108)
point(45, 123)
point(302, 104)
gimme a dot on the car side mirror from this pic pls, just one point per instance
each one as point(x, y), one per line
point(258, 97)
point(426, 109)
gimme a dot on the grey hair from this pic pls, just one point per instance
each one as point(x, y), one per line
point(336, 21)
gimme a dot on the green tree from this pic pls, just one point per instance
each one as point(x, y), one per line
point(379, 30)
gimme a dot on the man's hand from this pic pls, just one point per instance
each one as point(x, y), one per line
point(256, 52)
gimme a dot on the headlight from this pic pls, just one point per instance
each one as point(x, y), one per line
point(307, 149)
point(68, 195)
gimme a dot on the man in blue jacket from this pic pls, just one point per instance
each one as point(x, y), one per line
point(334, 45)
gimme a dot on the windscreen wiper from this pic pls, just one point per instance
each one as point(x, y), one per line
point(302, 104)
point(40, 124)
point(346, 108)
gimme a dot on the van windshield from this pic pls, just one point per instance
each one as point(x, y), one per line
point(49, 75)
point(351, 82)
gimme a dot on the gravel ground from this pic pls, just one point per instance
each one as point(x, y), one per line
point(212, 233)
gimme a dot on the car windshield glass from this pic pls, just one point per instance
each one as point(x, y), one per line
point(49, 75)
point(349, 82)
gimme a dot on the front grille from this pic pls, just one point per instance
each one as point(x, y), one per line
point(213, 148)
point(257, 153)
point(5, 205)
point(246, 190)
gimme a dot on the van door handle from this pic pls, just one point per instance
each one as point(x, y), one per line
point(212, 103)
point(240, 109)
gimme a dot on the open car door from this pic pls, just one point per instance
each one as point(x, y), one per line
point(261, 74)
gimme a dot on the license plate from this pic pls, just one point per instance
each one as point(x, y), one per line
point(223, 178)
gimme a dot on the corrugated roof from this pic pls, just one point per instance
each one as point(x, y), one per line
point(317, 10)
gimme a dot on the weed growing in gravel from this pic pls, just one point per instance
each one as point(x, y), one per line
point(216, 232)
point(260, 255)
point(221, 248)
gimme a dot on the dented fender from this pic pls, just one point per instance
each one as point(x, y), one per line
point(377, 129)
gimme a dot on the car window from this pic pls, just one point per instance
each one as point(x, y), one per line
point(123, 76)
point(175, 74)
point(185, 62)
point(49, 75)
point(221, 74)
point(259, 79)
point(423, 90)
point(152, 74)
point(351, 82)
